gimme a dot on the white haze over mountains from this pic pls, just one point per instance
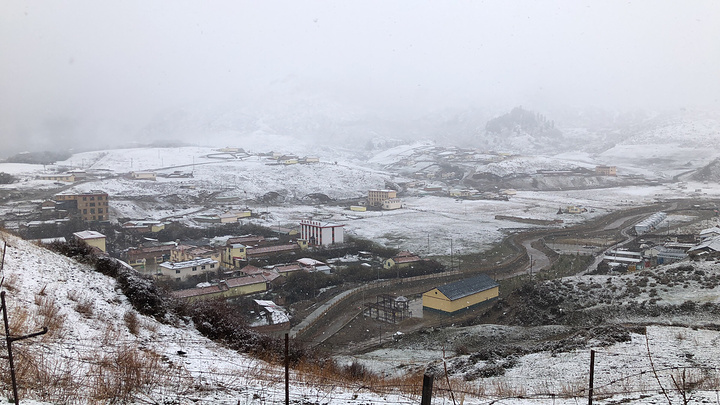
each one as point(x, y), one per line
point(94, 74)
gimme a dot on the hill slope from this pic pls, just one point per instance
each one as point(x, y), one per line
point(98, 349)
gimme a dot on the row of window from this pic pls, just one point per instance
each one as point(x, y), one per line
point(212, 266)
point(92, 211)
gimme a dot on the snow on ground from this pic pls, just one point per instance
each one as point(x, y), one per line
point(20, 168)
point(470, 224)
point(86, 317)
point(624, 370)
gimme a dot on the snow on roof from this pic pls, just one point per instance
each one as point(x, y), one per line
point(287, 268)
point(308, 262)
point(622, 259)
point(195, 292)
point(406, 259)
point(88, 235)
point(708, 231)
point(189, 263)
point(278, 315)
point(319, 224)
point(711, 244)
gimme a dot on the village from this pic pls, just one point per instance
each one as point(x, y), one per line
point(285, 275)
point(275, 273)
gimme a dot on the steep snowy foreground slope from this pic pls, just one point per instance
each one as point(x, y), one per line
point(97, 347)
point(95, 351)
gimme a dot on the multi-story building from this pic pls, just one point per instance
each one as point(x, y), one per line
point(321, 234)
point(376, 197)
point(92, 206)
point(606, 170)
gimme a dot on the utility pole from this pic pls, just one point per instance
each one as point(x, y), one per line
point(287, 370)
point(592, 376)
point(531, 265)
point(451, 255)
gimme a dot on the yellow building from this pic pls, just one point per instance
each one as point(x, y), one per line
point(230, 288)
point(92, 238)
point(606, 170)
point(461, 295)
point(233, 252)
point(58, 177)
point(143, 176)
point(376, 197)
point(92, 206)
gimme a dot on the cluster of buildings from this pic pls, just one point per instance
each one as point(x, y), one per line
point(705, 246)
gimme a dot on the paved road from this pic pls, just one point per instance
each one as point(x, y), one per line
point(317, 313)
point(539, 260)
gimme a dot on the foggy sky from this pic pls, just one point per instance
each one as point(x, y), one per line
point(110, 67)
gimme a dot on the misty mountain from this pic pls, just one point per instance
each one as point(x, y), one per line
point(709, 173)
point(523, 131)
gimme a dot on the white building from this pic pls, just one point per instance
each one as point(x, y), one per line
point(321, 234)
point(180, 271)
point(143, 175)
point(392, 204)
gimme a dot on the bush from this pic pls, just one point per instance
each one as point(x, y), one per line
point(7, 178)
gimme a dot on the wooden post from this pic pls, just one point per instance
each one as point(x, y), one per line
point(592, 376)
point(9, 339)
point(427, 389)
point(287, 370)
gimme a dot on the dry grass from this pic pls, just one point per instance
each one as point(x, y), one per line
point(132, 322)
point(11, 282)
point(48, 315)
point(48, 378)
point(120, 376)
point(82, 305)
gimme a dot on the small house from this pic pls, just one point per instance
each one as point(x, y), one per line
point(143, 176)
point(92, 238)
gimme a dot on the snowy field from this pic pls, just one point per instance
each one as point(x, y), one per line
point(470, 224)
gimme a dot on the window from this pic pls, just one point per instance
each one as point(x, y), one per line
point(93, 217)
point(85, 211)
point(84, 198)
point(177, 271)
point(92, 198)
point(212, 266)
point(92, 204)
point(194, 268)
point(202, 268)
point(99, 210)
point(92, 210)
point(99, 197)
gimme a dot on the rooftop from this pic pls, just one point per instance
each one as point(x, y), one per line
point(468, 286)
point(88, 235)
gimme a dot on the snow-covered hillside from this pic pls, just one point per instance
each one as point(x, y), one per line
point(97, 346)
